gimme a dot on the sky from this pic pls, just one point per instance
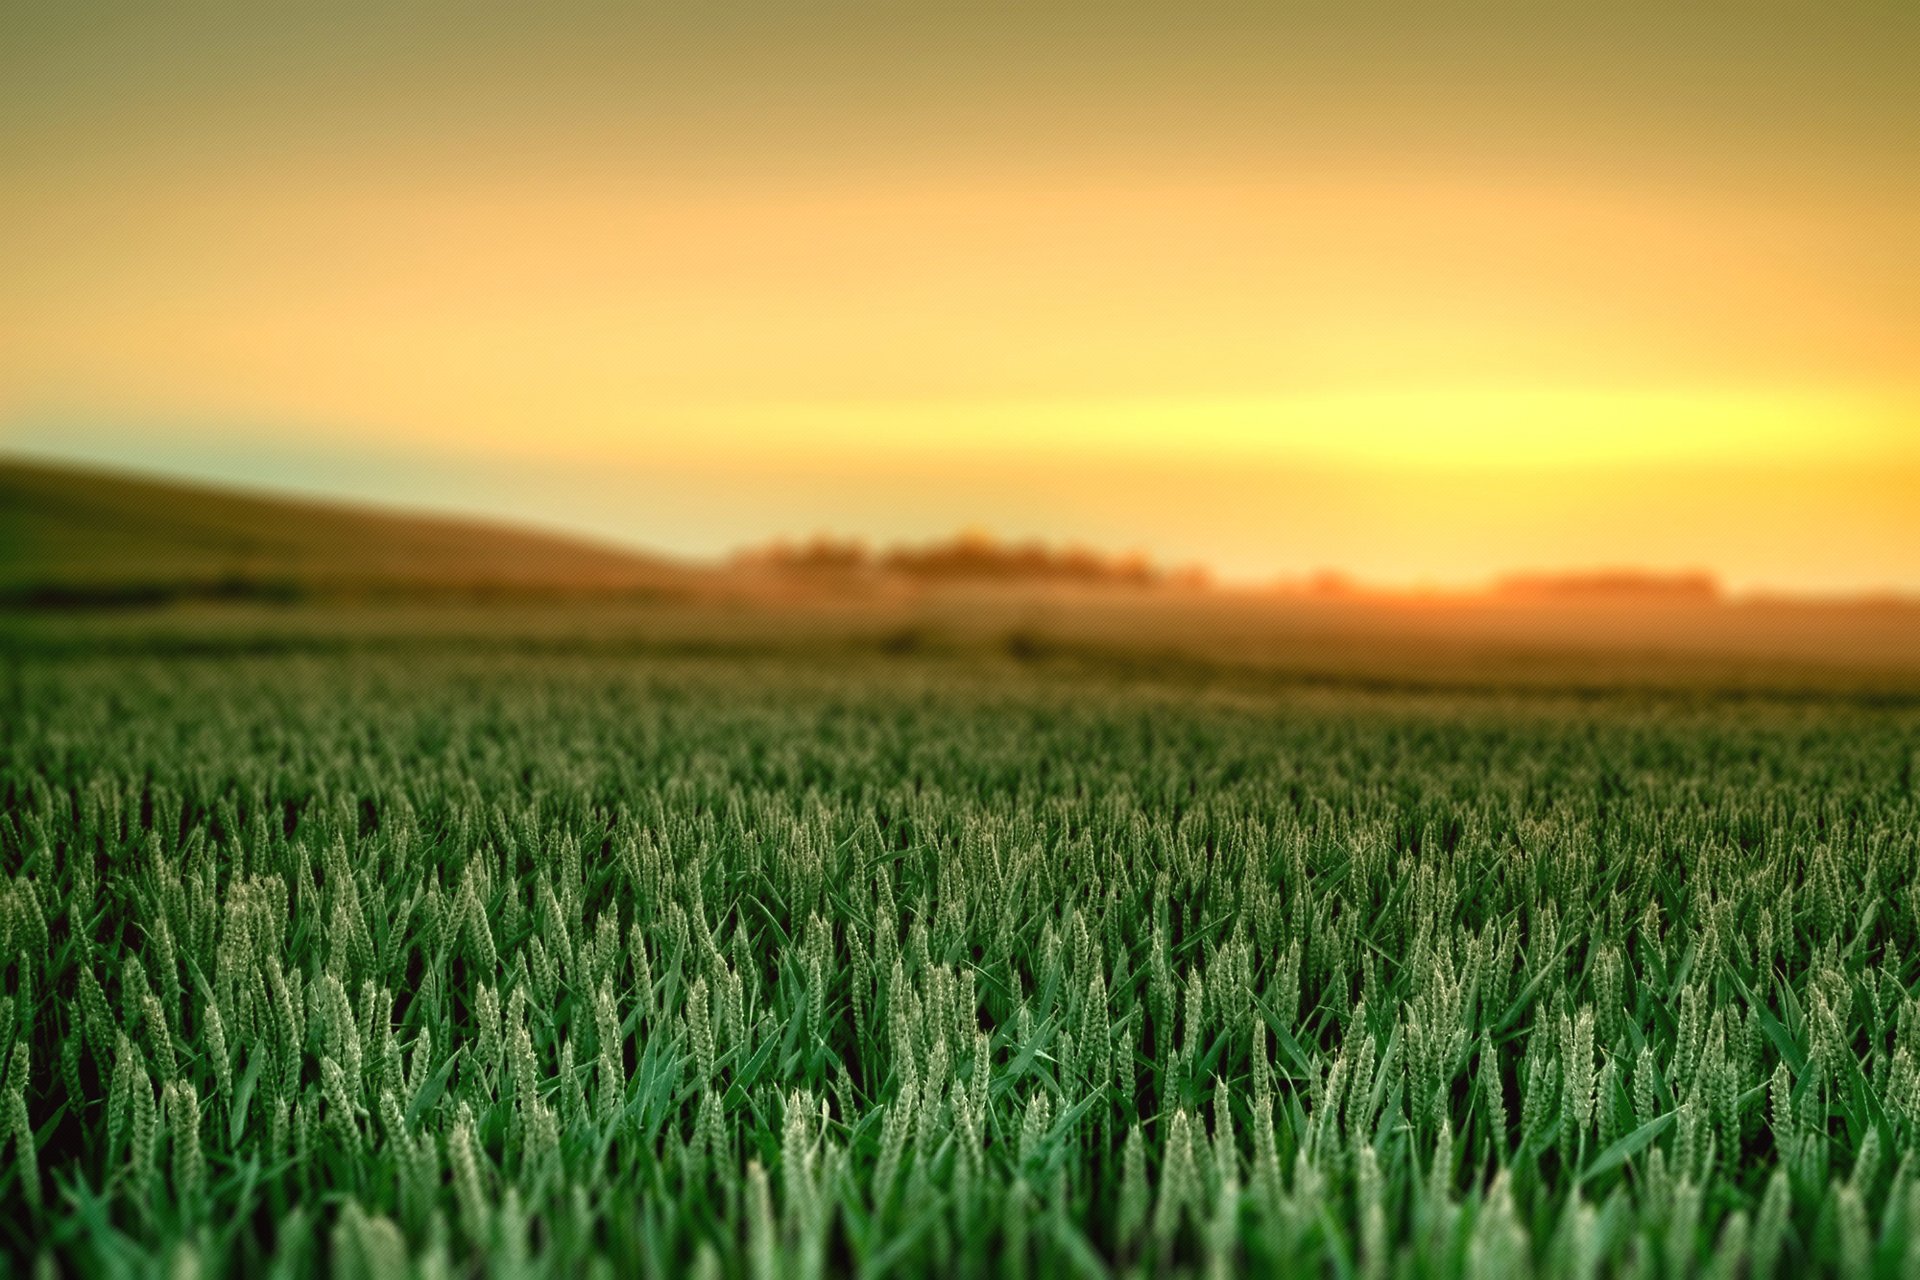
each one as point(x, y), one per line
point(1422, 292)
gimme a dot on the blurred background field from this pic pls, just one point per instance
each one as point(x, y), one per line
point(102, 558)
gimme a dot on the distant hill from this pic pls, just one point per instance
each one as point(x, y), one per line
point(78, 536)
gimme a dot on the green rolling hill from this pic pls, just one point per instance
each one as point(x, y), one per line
point(77, 536)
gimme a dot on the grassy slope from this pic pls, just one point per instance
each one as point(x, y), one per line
point(80, 536)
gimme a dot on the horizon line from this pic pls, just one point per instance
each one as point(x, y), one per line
point(1564, 583)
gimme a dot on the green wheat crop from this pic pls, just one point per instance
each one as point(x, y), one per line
point(397, 963)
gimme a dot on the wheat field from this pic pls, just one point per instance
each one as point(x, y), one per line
point(388, 960)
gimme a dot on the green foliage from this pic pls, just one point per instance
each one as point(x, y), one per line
point(387, 963)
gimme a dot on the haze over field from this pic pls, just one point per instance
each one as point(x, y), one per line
point(1422, 296)
point(146, 559)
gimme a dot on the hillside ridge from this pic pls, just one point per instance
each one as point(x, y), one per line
point(83, 535)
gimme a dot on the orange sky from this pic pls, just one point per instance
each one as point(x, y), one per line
point(1425, 297)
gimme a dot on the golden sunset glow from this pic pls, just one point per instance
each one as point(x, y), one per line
point(1269, 288)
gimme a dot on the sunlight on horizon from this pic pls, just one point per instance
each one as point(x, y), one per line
point(1273, 290)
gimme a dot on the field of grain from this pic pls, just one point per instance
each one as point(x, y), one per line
point(376, 960)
